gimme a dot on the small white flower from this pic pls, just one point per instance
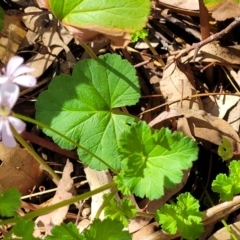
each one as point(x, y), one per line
point(8, 96)
point(15, 72)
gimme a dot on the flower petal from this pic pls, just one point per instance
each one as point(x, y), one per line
point(22, 70)
point(25, 80)
point(3, 79)
point(7, 136)
point(1, 123)
point(9, 93)
point(13, 64)
point(18, 124)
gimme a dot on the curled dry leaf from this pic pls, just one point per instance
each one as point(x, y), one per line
point(118, 39)
point(210, 129)
point(63, 192)
point(19, 169)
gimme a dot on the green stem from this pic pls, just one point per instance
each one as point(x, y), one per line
point(105, 202)
point(209, 198)
point(64, 203)
point(152, 49)
point(35, 155)
point(223, 221)
point(89, 50)
point(154, 52)
point(42, 125)
point(229, 230)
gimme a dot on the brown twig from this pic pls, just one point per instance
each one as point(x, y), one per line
point(213, 37)
point(22, 14)
point(49, 145)
point(188, 97)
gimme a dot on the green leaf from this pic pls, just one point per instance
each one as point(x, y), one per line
point(9, 202)
point(122, 211)
point(225, 150)
point(83, 107)
point(126, 15)
point(107, 229)
point(139, 35)
point(153, 160)
point(2, 14)
point(223, 185)
point(65, 232)
point(23, 229)
point(184, 217)
point(227, 187)
point(166, 216)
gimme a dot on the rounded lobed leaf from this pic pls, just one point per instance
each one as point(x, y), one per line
point(83, 107)
point(102, 16)
point(184, 217)
point(106, 229)
point(153, 160)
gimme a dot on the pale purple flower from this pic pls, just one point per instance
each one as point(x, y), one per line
point(8, 96)
point(16, 72)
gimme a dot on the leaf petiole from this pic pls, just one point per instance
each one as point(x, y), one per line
point(42, 125)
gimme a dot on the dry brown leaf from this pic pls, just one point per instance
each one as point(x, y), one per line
point(235, 75)
point(223, 233)
point(97, 179)
point(83, 225)
point(234, 117)
point(212, 52)
point(218, 107)
point(224, 10)
point(200, 125)
point(63, 192)
point(145, 231)
point(186, 4)
point(42, 3)
point(12, 35)
point(138, 223)
point(166, 4)
point(54, 38)
point(175, 113)
point(19, 169)
point(177, 83)
point(212, 129)
point(119, 39)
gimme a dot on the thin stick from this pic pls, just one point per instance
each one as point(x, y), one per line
point(213, 37)
point(189, 97)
